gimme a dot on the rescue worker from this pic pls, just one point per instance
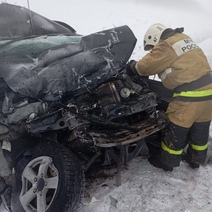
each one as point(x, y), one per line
point(183, 68)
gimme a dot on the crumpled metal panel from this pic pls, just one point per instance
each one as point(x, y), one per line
point(144, 129)
point(69, 68)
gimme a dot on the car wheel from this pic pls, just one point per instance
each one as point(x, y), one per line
point(49, 180)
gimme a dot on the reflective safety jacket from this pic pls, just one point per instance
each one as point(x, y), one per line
point(181, 65)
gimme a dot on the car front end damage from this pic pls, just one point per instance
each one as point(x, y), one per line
point(67, 103)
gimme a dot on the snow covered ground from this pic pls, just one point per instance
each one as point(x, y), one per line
point(144, 188)
point(147, 189)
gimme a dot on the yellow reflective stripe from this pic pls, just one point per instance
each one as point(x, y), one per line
point(194, 93)
point(171, 151)
point(199, 148)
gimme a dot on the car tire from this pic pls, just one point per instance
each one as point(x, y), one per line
point(51, 179)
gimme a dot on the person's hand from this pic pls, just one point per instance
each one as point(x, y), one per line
point(130, 68)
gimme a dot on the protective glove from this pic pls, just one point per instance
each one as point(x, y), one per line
point(130, 68)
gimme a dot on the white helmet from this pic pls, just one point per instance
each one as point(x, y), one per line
point(153, 35)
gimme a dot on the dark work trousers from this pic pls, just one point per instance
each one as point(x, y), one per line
point(175, 138)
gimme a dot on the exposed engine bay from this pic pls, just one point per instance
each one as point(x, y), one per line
point(66, 103)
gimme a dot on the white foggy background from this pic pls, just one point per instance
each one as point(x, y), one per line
point(144, 188)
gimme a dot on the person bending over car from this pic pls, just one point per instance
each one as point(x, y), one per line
point(183, 68)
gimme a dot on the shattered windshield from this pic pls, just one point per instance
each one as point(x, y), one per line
point(34, 46)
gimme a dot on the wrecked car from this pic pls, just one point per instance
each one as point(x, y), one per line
point(67, 103)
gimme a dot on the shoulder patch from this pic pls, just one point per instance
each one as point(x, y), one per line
point(184, 46)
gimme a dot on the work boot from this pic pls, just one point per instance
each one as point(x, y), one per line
point(155, 161)
point(188, 160)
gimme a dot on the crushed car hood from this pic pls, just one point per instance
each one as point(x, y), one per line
point(47, 67)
